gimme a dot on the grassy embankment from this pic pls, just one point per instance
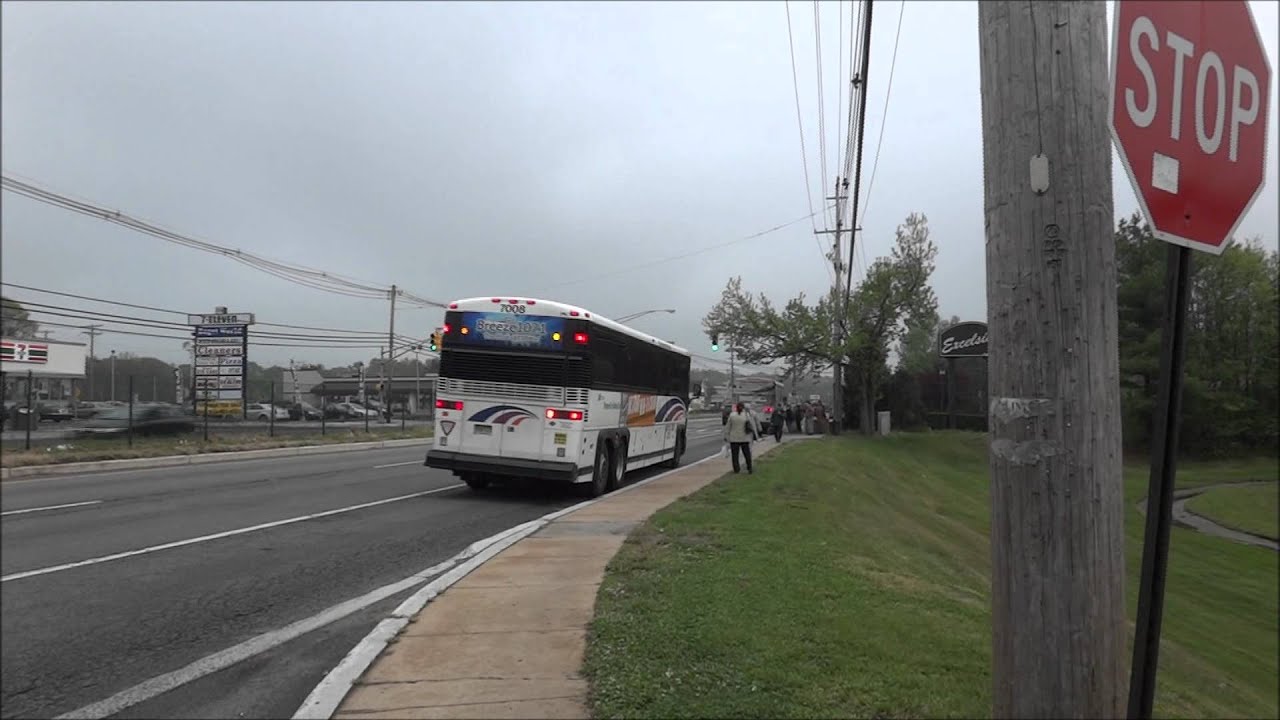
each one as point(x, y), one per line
point(88, 450)
point(851, 578)
point(1250, 508)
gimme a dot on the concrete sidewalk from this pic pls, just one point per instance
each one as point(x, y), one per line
point(507, 641)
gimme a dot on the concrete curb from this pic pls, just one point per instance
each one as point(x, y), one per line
point(199, 459)
point(329, 694)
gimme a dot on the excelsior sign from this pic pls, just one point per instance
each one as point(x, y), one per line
point(966, 339)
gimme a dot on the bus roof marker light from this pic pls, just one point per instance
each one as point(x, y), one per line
point(453, 306)
point(530, 302)
point(496, 300)
point(573, 313)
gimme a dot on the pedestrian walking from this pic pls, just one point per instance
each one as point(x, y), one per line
point(738, 432)
point(790, 419)
point(776, 421)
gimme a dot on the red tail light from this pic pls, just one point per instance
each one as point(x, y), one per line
point(580, 338)
point(554, 414)
point(446, 328)
point(448, 404)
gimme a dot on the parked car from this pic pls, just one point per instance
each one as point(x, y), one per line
point(303, 411)
point(348, 411)
point(55, 411)
point(147, 420)
point(265, 411)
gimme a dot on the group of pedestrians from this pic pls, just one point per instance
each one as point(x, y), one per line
point(741, 427)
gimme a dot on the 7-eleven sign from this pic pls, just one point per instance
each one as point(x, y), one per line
point(24, 352)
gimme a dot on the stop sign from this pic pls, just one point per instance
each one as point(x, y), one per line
point(1189, 96)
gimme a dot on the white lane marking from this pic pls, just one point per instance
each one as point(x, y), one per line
point(218, 536)
point(410, 462)
point(51, 507)
point(253, 646)
point(324, 700)
point(332, 690)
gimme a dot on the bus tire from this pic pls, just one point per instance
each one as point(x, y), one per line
point(601, 472)
point(619, 465)
point(476, 481)
point(674, 462)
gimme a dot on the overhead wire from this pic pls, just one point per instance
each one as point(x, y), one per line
point(171, 311)
point(804, 154)
point(862, 124)
point(292, 272)
point(822, 113)
point(893, 62)
point(855, 44)
point(682, 256)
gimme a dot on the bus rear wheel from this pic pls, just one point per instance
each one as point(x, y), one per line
point(674, 462)
point(476, 481)
point(619, 466)
point(601, 472)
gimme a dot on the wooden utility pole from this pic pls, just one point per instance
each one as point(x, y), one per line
point(1057, 506)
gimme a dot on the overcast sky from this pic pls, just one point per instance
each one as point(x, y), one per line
point(473, 149)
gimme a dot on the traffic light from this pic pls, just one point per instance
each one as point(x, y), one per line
point(436, 341)
point(715, 342)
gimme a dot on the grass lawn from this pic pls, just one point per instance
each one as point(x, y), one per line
point(93, 449)
point(851, 578)
point(1251, 508)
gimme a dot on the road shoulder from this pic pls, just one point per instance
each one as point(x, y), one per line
point(508, 639)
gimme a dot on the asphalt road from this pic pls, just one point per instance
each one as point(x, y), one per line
point(50, 432)
point(92, 607)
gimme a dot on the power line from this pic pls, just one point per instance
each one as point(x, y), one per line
point(804, 154)
point(152, 323)
point(875, 164)
point(170, 311)
point(600, 276)
point(298, 274)
point(822, 103)
point(862, 126)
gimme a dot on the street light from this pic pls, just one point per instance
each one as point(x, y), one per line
point(642, 313)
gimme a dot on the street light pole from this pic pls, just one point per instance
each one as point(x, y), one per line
point(113, 376)
point(642, 313)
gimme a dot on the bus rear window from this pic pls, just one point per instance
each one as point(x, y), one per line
point(501, 330)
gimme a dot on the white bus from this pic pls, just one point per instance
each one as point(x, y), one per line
point(540, 389)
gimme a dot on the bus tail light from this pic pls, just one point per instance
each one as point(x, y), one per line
point(554, 414)
point(580, 338)
point(448, 404)
point(447, 328)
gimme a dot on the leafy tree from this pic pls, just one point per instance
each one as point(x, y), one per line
point(1230, 399)
point(894, 294)
point(15, 322)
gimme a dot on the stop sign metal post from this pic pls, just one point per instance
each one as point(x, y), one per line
point(1190, 88)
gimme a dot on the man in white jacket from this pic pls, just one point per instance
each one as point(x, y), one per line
point(739, 430)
